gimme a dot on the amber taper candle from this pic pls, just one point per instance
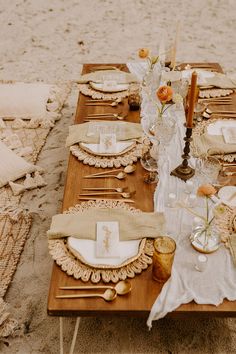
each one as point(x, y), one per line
point(191, 101)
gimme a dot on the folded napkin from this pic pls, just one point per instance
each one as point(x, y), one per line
point(83, 225)
point(221, 81)
point(232, 246)
point(229, 134)
point(120, 77)
point(86, 134)
point(211, 145)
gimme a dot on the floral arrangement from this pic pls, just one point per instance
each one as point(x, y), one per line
point(206, 191)
point(165, 94)
point(144, 53)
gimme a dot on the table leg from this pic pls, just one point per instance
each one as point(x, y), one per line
point(61, 334)
point(72, 347)
point(74, 335)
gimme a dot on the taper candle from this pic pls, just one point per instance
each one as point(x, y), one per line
point(191, 101)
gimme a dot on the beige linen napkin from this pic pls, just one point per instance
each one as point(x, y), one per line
point(211, 145)
point(232, 246)
point(221, 81)
point(83, 225)
point(84, 132)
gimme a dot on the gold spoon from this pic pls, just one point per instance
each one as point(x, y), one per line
point(108, 295)
point(113, 104)
point(127, 169)
point(119, 190)
point(120, 175)
point(209, 111)
point(117, 116)
point(223, 115)
point(125, 195)
point(123, 287)
point(118, 100)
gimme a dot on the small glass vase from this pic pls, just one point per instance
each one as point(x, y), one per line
point(164, 128)
point(205, 238)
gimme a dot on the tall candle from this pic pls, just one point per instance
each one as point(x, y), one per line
point(191, 101)
point(174, 47)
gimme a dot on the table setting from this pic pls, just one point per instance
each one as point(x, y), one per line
point(183, 246)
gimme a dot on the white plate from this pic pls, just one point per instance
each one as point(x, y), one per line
point(85, 251)
point(202, 75)
point(228, 195)
point(106, 87)
point(229, 135)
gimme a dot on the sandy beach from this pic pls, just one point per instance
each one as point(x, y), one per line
point(49, 41)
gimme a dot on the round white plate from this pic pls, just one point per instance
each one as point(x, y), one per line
point(202, 75)
point(228, 195)
point(109, 88)
point(85, 251)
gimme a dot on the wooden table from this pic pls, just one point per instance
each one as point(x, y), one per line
point(144, 289)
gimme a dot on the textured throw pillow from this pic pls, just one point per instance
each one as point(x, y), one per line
point(31, 100)
point(12, 166)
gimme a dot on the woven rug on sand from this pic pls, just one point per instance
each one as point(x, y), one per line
point(15, 223)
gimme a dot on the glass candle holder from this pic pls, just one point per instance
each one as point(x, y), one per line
point(163, 256)
point(134, 99)
point(201, 263)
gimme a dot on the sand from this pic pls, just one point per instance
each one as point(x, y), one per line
point(48, 41)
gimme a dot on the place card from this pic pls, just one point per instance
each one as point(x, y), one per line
point(107, 143)
point(107, 244)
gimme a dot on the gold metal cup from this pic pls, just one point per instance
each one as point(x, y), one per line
point(163, 256)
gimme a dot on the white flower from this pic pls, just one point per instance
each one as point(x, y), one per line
point(177, 99)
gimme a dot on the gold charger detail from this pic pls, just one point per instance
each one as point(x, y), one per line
point(210, 93)
point(125, 159)
point(77, 268)
point(87, 90)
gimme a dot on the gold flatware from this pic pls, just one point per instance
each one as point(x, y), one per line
point(118, 189)
point(113, 104)
point(114, 200)
point(209, 111)
point(108, 295)
point(123, 287)
point(216, 99)
point(229, 173)
point(103, 67)
point(125, 195)
point(117, 100)
point(115, 116)
point(127, 169)
point(222, 115)
point(120, 175)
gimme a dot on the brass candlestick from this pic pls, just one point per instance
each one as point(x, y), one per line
point(184, 171)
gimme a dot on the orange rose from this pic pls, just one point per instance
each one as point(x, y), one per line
point(164, 93)
point(206, 190)
point(143, 53)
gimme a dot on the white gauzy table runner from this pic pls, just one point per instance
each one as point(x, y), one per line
point(218, 281)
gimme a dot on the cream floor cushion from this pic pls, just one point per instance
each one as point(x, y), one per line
point(31, 100)
point(12, 166)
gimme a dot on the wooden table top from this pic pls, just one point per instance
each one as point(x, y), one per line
point(144, 289)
